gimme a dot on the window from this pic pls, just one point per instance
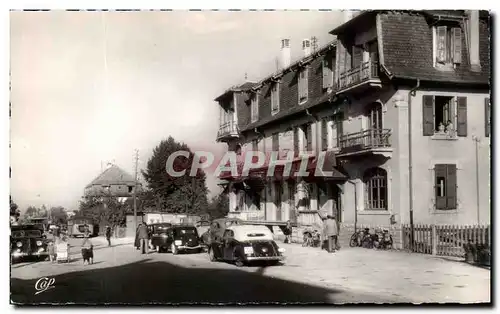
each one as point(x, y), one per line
point(275, 98)
point(375, 180)
point(448, 45)
point(296, 141)
point(303, 85)
point(254, 107)
point(130, 189)
point(255, 145)
point(445, 186)
point(307, 143)
point(324, 133)
point(374, 114)
point(442, 113)
point(276, 142)
point(328, 71)
point(487, 117)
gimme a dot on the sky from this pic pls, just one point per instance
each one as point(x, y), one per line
point(91, 87)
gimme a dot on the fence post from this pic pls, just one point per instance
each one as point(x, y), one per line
point(434, 240)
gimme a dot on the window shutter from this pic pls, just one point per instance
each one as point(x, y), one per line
point(457, 45)
point(347, 60)
point(276, 142)
point(357, 56)
point(296, 141)
point(339, 124)
point(487, 117)
point(301, 85)
point(428, 115)
point(462, 116)
point(309, 137)
point(440, 171)
point(451, 186)
point(441, 44)
point(327, 73)
point(324, 134)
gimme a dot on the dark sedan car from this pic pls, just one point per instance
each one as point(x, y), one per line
point(244, 244)
point(159, 236)
point(27, 241)
point(184, 239)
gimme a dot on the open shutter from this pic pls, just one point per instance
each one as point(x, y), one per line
point(428, 115)
point(462, 116)
point(347, 60)
point(451, 186)
point(487, 117)
point(324, 134)
point(296, 141)
point(309, 137)
point(457, 45)
point(327, 72)
point(357, 56)
point(339, 121)
point(440, 172)
point(441, 44)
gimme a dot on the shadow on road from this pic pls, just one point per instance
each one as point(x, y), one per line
point(146, 282)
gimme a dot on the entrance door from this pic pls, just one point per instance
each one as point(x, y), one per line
point(278, 191)
point(334, 192)
point(291, 200)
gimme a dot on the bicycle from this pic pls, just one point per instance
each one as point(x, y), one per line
point(361, 237)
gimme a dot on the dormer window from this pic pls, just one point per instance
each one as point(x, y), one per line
point(303, 85)
point(447, 45)
point(254, 107)
point(275, 98)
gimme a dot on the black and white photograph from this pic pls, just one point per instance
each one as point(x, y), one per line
point(250, 157)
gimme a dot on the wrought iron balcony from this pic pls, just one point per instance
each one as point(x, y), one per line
point(227, 130)
point(365, 72)
point(365, 141)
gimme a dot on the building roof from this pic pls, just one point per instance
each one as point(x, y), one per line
point(407, 45)
point(114, 175)
point(237, 88)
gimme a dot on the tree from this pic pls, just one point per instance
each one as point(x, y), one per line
point(58, 215)
point(183, 194)
point(14, 211)
point(104, 211)
point(219, 206)
point(32, 211)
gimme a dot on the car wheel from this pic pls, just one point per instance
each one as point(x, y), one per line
point(174, 249)
point(239, 262)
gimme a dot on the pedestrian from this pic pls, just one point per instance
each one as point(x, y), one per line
point(143, 238)
point(331, 230)
point(288, 232)
point(324, 238)
point(87, 250)
point(108, 234)
point(137, 243)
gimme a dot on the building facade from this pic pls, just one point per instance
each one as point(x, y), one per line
point(400, 103)
point(112, 182)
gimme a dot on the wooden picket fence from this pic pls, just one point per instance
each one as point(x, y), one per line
point(446, 240)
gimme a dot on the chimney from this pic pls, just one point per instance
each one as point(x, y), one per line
point(473, 16)
point(285, 53)
point(306, 47)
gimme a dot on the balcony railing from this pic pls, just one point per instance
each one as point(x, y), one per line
point(364, 72)
point(368, 139)
point(228, 129)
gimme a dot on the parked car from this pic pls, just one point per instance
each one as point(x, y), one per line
point(183, 238)
point(202, 227)
point(244, 244)
point(27, 241)
point(218, 227)
point(159, 236)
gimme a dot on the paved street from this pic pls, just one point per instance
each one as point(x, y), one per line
point(122, 275)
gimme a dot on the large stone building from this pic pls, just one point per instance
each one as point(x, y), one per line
point(112, 182)
point(400, 98)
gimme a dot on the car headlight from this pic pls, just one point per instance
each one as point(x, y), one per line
point(178, 242)
point(39, 243)
point(41, 249)
point(248, 250)
point(19, 244)
point(281, 250)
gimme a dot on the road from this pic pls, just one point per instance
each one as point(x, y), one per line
point(121, 274)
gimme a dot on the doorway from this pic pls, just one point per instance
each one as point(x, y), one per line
point(335, 196)
point(278, 191)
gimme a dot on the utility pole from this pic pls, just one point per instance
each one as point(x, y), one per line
point(135, 188)
point(476, 139)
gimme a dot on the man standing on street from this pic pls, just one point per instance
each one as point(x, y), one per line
point(108, 235)
point(331, 232)
point(143, 238)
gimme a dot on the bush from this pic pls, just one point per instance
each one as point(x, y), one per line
point(477, 254)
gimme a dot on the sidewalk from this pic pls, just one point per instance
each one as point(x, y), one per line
point(418, 277)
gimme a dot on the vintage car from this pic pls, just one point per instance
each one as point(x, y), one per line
point(27, 241)
point(218, 227)
point(158, 234)
point(202, 227)
point(184, 238)
point(244, 244)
